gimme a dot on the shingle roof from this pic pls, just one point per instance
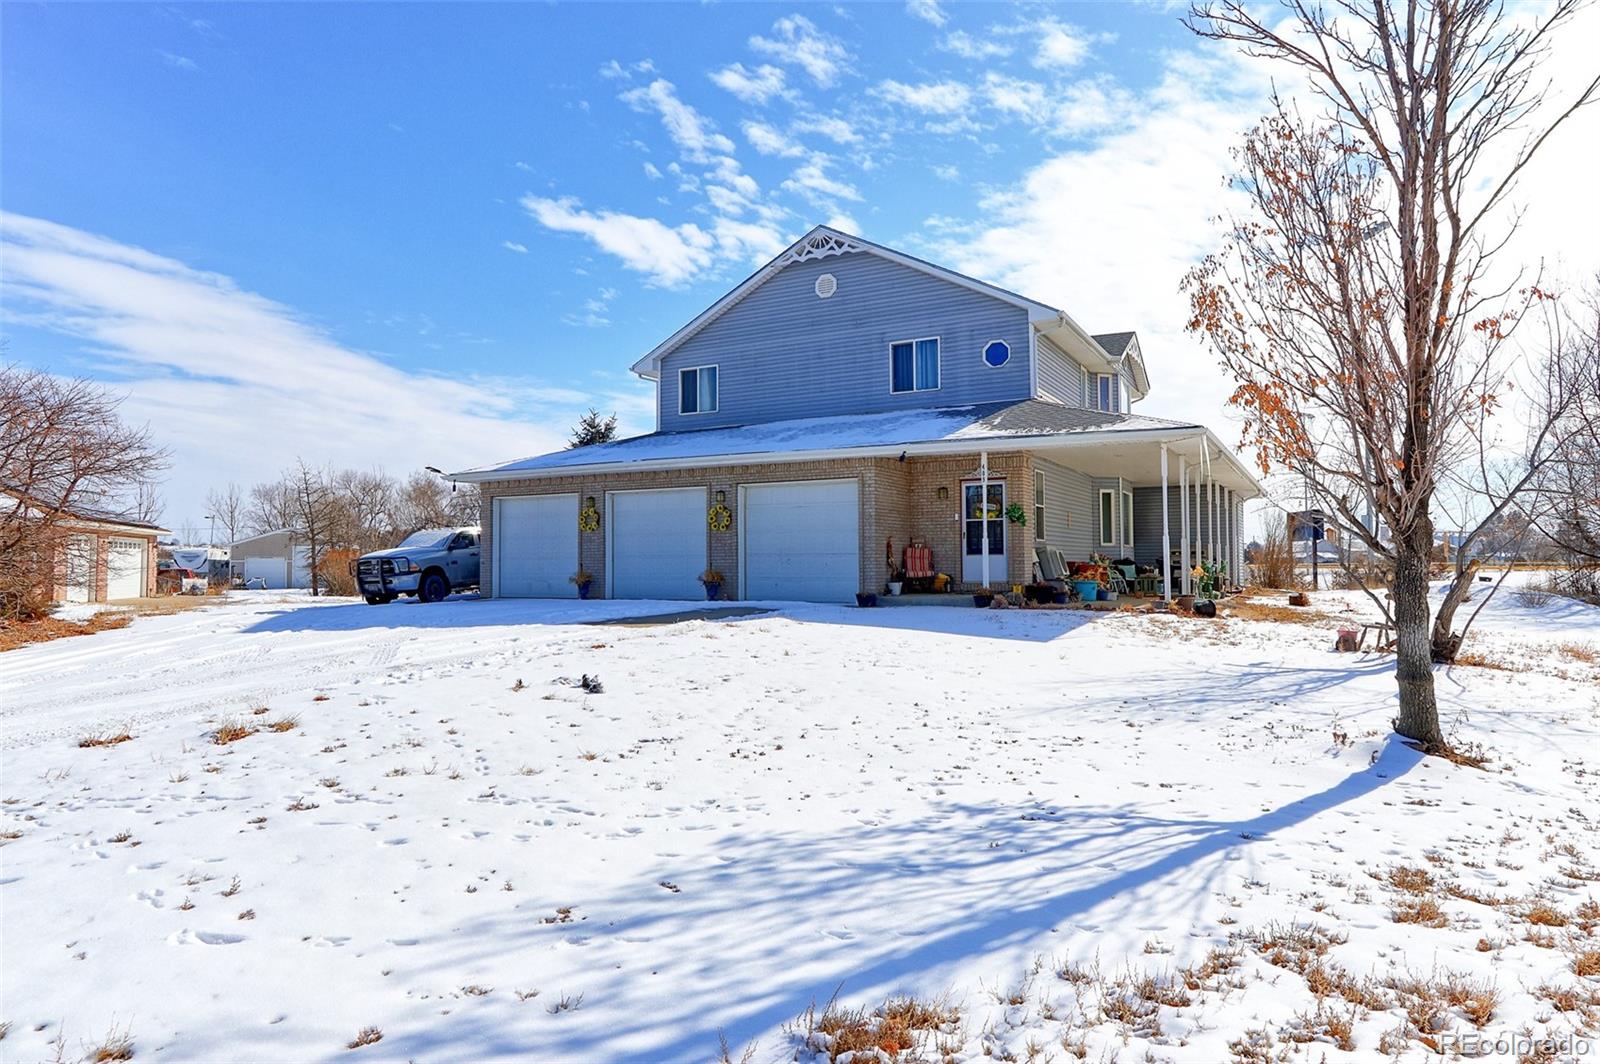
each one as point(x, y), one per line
point(977, 423)
point(1114, 343)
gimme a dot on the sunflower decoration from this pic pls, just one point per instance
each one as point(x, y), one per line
point(719, 518)
point(589, 518)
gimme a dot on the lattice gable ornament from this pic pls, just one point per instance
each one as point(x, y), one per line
point(821, 246)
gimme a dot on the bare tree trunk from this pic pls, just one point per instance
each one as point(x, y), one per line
point(1419, 714)
point(1446, 642)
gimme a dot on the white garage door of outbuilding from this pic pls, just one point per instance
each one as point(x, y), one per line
point(535, 542)
point(656, 543)
point(125, 569)
point(801, 540)
point(271, 572)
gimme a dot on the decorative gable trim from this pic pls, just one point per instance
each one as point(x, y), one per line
point(818, 244)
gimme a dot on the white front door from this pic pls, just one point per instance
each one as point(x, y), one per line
point(125, 569)
point(80, 568)
point(801, 541)
point(535, 543)
point(975, 516)
point(656, 543)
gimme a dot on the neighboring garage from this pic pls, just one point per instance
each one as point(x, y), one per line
point(127, 566)
point(535, 543)
point(656, 543)
point(801, 540)
point(273, 560)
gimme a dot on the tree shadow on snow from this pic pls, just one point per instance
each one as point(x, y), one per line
point(751, 941)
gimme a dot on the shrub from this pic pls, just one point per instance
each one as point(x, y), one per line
point(231, 731)
point(336, 572)
point(1274, 562)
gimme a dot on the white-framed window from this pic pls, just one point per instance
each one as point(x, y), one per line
point(1127, 518)
point(1105, 392)
point(1108, 517)
point(1038, 504)
point(996, 353)
point(697, 390)
point(914, 365)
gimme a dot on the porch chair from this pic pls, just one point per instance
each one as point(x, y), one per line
point(1052, 570)
point(917, 562)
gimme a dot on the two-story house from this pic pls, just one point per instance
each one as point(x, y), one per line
point(848, 399)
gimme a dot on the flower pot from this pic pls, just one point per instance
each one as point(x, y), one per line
point(1087, 590)
point(981, 600)
point(1060, 598)
point(1186, 602)
point(1107, 595)
point(865, 599)
point(713, 589)
point(583, 589)
point(895, 586)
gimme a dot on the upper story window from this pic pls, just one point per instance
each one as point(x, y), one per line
point(697, 390)
point(996, 353)
point(914, 365)
point(1104, 391)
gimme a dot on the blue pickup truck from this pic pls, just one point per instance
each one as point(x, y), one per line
point(429, 564)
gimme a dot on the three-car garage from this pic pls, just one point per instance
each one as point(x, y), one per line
point(791, 540)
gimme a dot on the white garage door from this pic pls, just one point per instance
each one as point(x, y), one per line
point(125, 569)
point(300, 571)
point(801, 541)
point(657, 543)
point(535, 540)
point(270, 571)
point(80, 568)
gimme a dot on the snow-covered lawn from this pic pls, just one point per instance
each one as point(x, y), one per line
point(1024, 813)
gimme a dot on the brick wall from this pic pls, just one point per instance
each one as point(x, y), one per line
point(898, 502)
point(101, 551)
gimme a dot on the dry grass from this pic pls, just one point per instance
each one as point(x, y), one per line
point(1422, 911)
point(897, 1026)
point(1586, 962)
point(1476, 660)
point(283, 724)
point(15, 634)
point(364, 1037)
point(117, 1046)
point(231, 731)
point(1411, 880)
point(105, 738)
point(1579, 652)
point(1256, 606)
point(1544, 914)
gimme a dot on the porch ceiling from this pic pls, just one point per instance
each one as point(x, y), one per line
point(1139, 461)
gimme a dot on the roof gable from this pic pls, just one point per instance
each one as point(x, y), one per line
point(820, 243)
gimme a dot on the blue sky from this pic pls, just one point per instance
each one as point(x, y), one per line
point(387, 235)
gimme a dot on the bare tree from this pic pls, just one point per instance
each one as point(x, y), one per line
point(365, 502)
point(270, 507)
point(229, 507)
point(1358, 288)
point(64, 453)
point(1570, 519)
point(315, 515)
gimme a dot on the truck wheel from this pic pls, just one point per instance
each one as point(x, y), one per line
point(434, 587)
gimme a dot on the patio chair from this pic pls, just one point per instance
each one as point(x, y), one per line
point(1118, 579)
point(1052, 568)
point(917, 560)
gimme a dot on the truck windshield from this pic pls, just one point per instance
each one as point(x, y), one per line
point(428, 537)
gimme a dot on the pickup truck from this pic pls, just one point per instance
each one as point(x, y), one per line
point(428, 564)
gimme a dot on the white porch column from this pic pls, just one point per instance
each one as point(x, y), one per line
point(1199, 517)
point(1166, 533)
point(983, 511)
point(1183, 522)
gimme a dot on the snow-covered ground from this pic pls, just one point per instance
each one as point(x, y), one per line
point(1025, 813)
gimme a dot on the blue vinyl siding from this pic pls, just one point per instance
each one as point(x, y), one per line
point(1068, 510)
point(1060, 377)
point(784, 353)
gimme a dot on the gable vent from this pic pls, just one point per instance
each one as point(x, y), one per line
point(827, 284)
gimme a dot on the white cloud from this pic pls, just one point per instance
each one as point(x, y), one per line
point(946, 172)
point(768, 141)
point(964, 44)
point(928, 11)
point(512, 245)
point(239, 386)
point(668, 256)
point(652, 171)
point(933, 97)
point(693, 133)
point(834, 128)
point(1060, 44)
point(177, 62)
point(796, 40)
point(813, 181)
point(1016, 97)
point(592, 315)
point(752, 86)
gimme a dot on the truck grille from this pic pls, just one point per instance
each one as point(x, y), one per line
point(373, 567)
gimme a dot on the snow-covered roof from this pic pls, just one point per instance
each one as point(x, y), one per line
point(850, 435)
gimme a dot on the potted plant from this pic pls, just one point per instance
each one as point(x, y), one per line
point(1017, 515)
point(897, 579)
point(982, 596)
point(583, 579)
point(866, 599)
point(712, 579)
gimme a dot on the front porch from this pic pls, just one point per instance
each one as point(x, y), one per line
point(1163, 506)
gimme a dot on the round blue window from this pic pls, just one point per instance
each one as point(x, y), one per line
point(997, 353)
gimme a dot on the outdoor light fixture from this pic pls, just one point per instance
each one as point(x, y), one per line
point(722, 497)
point(944, 492)
point(588, 502)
